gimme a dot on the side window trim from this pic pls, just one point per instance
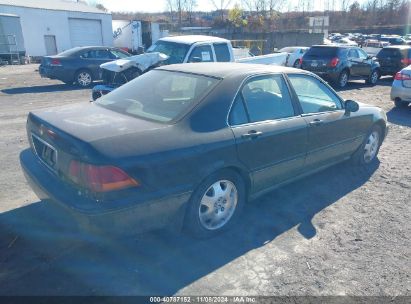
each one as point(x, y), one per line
point(297, 110)
point(326, 85)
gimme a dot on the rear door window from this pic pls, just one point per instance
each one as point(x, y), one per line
point(222, 52)
point(267, 98)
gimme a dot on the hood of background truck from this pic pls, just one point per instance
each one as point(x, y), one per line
point(143, 62)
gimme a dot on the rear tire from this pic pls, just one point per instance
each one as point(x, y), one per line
point(373, 77)
point(83, 78)
point(368, 151)
point(296, 64)
point(343, 79)
point(215, 205)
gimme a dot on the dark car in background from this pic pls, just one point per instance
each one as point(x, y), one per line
point(339, 64)
point(393, 40)
point(79, 65)
point(191, 143)
point(393, 59)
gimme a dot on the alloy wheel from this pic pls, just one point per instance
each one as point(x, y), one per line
point(374, 77)
point(371, 147)
point(343, 79)
point(84, 79)
point(218, 204)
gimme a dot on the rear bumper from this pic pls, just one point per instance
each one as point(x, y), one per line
point(56, 73)
point(390, 70)
point(141, 217)
point(329, 74)
point(398, 91)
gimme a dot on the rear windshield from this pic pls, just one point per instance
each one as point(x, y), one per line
point(159, 95)
point(70, 52)
point(318, 51)
point(390, 52)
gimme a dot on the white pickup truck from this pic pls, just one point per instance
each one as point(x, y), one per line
point(173, 50)
point(372, 47)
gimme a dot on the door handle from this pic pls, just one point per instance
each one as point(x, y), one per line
point(252, 134)
point(316, 122)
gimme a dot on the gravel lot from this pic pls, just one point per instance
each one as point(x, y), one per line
point(344, 231)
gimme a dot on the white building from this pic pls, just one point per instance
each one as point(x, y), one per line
point(52, 26)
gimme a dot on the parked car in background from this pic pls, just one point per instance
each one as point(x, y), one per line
point(392, 59)
point(401, 88)
point(393, 40)
point(345, 41)
point(339, 64)
point(173, 50)
point(294, 55)
point(372, 47)
point(79, 65)
point(191, 143)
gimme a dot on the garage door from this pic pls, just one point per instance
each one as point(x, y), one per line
point(85, 32)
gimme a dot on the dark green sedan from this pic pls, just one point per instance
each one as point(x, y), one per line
point(191, 143)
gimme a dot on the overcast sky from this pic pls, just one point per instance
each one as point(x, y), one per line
point(203, 5)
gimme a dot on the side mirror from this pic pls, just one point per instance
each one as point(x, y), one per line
point(351, 106)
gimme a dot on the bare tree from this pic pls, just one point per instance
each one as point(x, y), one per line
point(178, 7)
point(221, 5)
point(345, 5)
point(189, 7)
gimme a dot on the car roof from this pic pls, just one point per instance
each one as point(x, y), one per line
point(229, 69)
point(295, 47)
point(190, 39)
point(334, 46)
point(82, 48)
point(398, 47)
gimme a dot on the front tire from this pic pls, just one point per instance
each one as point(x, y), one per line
point(96, 95)
point(216, 204)
point(368, 151)
point(399, 103)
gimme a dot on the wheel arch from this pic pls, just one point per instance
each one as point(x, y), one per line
point(242, 172)
point(346, 69)
point(83, 69)
point(381, 123)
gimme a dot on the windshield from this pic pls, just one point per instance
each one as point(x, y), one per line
point(159, 95)
point(176, 51)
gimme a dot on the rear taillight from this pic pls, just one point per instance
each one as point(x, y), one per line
point(406, 61)
point(401, 76)
point(300, 62)
point(55, 62)
point(334, 62)
point(99, 178)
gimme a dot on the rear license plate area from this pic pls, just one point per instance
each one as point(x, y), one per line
point(46, 152)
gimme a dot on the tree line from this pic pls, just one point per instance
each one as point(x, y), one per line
point(272, 15)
